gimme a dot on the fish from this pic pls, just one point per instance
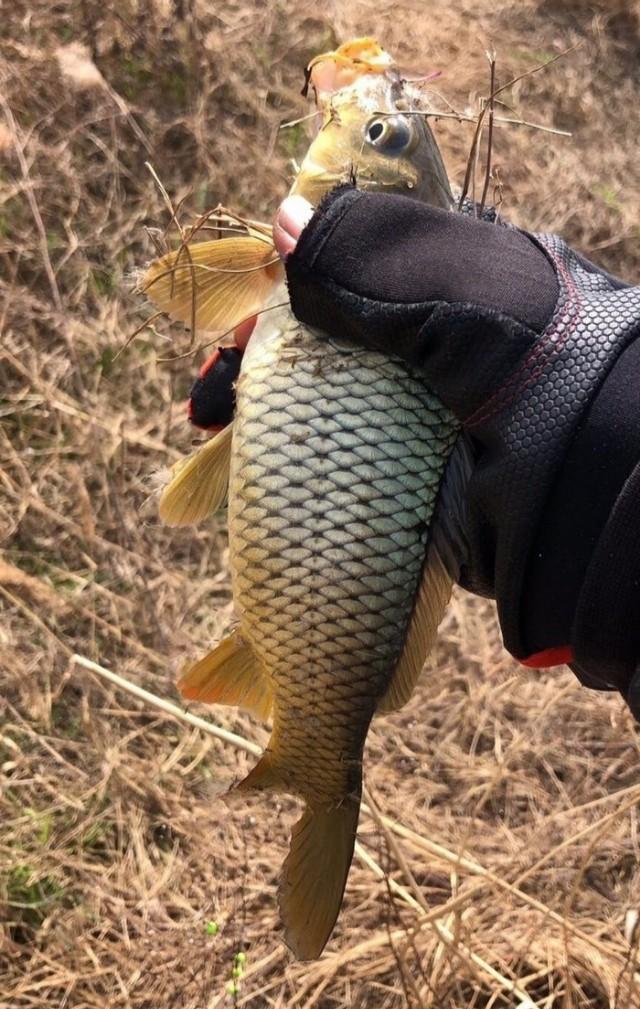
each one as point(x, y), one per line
point(339, 468)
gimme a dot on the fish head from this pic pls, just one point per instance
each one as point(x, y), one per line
point(373, 131)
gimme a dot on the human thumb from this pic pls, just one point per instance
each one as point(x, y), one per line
point(292, 216)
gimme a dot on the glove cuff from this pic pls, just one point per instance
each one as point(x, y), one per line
point(607, 623)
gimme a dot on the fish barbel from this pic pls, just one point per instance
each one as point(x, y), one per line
point(334, 463)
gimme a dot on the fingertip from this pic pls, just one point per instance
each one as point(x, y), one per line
point(292, 217)
point(295, 212)
point(283, 241)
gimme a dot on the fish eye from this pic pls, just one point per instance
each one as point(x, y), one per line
point(391, 134)
point(375, 131)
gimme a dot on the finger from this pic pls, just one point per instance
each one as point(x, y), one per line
point(294, 213)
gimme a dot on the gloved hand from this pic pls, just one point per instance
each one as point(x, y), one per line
point(536, 351)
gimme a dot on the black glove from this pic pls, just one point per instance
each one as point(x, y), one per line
point(212, 399)
point(536, 350)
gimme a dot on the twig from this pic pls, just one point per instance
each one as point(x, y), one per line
point(498, 121)
point(167, 706)
point(475, 869)
point(569, 841)
point(184, 244)
point(64, 404)
point(33, 203)
point(208, 269)
point(396, 851)
point(409, 987)
point(139, 329)
point(125, 111)
point(489, 103)
point(302, 119)
point(165, 196)
point(491, 56)
point(449, 939)
point(535, 70)
point(34, 618)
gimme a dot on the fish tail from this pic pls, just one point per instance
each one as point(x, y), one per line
point(314, 873)
point(314, 876)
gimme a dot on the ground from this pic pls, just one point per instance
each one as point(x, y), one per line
point(125, 881)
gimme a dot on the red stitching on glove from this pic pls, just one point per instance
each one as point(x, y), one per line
point(508, 392)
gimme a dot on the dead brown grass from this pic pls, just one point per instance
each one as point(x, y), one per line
point(509, 857)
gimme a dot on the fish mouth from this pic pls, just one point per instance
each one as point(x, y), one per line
point(331, 72)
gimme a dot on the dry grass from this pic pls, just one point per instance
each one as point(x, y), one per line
point(517, 791)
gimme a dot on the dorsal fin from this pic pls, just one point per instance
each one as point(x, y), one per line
point(199, 484)
point(445, 554)
point(431, 601)
point(210, 286)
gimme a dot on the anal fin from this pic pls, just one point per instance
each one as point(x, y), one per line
point(264, 776)
point(230, 674)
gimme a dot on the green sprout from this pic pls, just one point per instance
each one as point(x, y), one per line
point(237, 971)
point(212, 928)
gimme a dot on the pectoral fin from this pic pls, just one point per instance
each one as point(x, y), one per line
point(230, 674)
point(199, 484)
point(211, 286)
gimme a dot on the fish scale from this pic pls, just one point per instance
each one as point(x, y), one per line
point(330, 501)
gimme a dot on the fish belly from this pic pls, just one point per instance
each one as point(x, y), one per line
point(337, 457)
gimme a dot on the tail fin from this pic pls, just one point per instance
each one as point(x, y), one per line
point(315, 871)
point(314, 876)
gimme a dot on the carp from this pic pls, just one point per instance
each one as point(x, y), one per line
point(333, 467)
